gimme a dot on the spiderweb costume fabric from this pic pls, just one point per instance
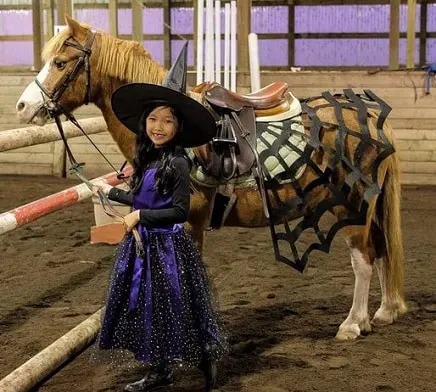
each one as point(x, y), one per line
point(339, 193)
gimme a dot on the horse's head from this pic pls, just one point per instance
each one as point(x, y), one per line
point(64, 80)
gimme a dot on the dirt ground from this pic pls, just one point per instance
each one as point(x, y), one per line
point(281, 324)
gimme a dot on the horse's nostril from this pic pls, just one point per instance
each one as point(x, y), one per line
point(20, 106)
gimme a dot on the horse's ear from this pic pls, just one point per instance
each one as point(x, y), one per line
point(77, 30)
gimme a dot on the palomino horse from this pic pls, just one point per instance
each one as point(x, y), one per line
point(84, 66)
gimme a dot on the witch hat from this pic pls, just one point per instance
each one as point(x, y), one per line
point(130, 101)
point(177, 75)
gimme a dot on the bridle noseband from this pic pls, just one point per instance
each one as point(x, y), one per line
point(52, 105)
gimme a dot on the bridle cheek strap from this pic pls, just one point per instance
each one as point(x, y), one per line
point(52, 104)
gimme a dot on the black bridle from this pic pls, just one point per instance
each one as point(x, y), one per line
point(52, 105)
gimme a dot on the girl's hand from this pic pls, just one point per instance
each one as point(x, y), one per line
point(105, 188)
point(131, 220)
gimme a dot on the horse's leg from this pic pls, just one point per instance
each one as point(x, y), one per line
point(199, 214)
point(357, 321)
point(390, 268)
point(391, 305)
point(197, 234)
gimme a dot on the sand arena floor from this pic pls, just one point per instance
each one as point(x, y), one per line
point(281, 324)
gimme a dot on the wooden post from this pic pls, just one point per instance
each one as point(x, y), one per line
point(167, 33)
point(291, 33)
point(394, 34)
point(423, 33)
point(50, 19)
point(113, 17)
point(64, 7)
point(195, 36)
point(411, 34)
point(137, 20)
point(244, 28)
point(37, 34)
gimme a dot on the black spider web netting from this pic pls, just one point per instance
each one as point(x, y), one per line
point(295, 239)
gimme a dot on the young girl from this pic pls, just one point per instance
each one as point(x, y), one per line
point(159, 303)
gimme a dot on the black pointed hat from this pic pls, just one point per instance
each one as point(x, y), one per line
point(130, 101)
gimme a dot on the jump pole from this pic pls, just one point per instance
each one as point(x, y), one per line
point(36, 369)
point(209, 48)
point(253, 50)
point(218, 41)
point(30, 136)
point(30, 212)
point(200, 41)
point(227, 45)
point(233, 47)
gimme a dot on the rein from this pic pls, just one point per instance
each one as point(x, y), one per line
point(55, 110)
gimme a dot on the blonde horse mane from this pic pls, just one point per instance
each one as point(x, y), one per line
point(121, 59)
point(128, 60)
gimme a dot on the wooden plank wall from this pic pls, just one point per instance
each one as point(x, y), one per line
point(39, 159)
point(413, 119)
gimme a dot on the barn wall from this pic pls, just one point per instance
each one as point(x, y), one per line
point(413, 119)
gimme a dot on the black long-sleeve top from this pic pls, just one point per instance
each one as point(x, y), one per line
point(178, 213)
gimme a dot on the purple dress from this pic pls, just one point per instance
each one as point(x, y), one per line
point(159, 305)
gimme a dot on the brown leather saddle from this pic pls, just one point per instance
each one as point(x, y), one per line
point(265, 98)
point(234, 147)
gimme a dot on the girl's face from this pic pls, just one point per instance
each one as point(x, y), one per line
point(161, 125)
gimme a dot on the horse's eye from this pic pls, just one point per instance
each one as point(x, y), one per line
point(59, 64)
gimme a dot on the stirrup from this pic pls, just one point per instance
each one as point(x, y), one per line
point(221, 140)
point(226, 134)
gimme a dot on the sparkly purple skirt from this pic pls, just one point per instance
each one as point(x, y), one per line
point(160, 307)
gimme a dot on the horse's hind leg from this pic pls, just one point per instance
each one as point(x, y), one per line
point(357, 321)
point(390, 268)
point(391, 304)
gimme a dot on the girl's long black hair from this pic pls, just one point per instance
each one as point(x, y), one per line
point(146, 153)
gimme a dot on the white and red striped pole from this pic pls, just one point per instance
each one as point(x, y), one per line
point(30, 212)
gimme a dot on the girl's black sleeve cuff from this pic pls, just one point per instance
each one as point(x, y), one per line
point(121, 196)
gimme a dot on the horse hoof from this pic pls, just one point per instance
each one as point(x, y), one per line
point(365, 327)
point(351, 332)
point(382, 320)
point(384, 316)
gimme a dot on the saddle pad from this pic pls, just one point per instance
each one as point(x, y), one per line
point(279, 145)
point(280, 142)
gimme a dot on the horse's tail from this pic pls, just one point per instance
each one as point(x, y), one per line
point(389, 215)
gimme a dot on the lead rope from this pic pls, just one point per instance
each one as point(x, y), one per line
point(77, 169)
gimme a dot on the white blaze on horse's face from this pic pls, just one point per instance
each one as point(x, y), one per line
point(30, 104)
